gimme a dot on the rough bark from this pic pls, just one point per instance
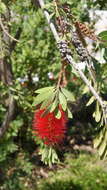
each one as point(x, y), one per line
point(6, 74)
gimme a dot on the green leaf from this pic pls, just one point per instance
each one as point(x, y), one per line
point(2, 7)
point(16, 97)
point(102, 147)
point(98, 139)
point(62, 101)
point(97, 113)
point(46, 111)
point(48, 5)
point(54, 105)
point(85, 90)
point(103, 35)
point(91, 100)
point(44, 154)
point(45, 89)
point(50, 152)
point(54, 157)
point(58, 115)
point(47, 102)
point(69, 113)
point(49, 156)
point(68, 94)
point(12, 89)
point(100, 142)
point(42, 97)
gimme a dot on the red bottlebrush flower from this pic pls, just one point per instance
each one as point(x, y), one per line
point(48, 128)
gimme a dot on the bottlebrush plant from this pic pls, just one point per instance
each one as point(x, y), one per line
point(52, 102)
point(50, 118)
point(50, 129)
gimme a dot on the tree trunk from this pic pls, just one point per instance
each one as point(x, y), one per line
point(6, 74)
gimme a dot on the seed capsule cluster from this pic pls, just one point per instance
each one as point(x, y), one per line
point(62, 25)
point(66, 9)
point(81, 51)
point(64, 50)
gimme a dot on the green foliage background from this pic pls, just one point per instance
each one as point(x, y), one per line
point(36, 53)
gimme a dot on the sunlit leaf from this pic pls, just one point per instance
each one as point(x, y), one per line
point(102, 147)
point(46, 111)
point(91, 100)
point(97, 113)
point(100, 142)
point(50, 152)
point(47, 102)
point(98, 139)
point(68, 94)
point(45, 89)
point(41, 97)
point(48, 156)
point(58, 115)
point(63, 101)
point(103, 35)
point(69, 113)
point(2, 7)
point(85, 90)
point(54, 105)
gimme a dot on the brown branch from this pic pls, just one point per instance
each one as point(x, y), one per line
point(6, 74)
point(9, 116)
point(7, 78)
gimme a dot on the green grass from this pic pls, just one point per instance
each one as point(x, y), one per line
point(83, 173)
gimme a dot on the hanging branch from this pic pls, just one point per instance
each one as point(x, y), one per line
point(70, 59)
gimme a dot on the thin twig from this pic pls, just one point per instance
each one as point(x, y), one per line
point(71, 61)
point(2, 26)
point(53, 29)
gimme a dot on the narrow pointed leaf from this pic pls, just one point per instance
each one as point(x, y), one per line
point(69, 113)
point(85, 90)
point(46, 111)
point(45, 89)
point(50, 152)
point(91, 100)
point(97, 113)
point(47, 102)
point(62, 101)
point(68, 94)
point(41, 97)
point(97, 141)
point(54, 105)
point(58, 115)
point(102, 147)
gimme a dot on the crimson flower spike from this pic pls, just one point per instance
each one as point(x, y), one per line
point(48, 128)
